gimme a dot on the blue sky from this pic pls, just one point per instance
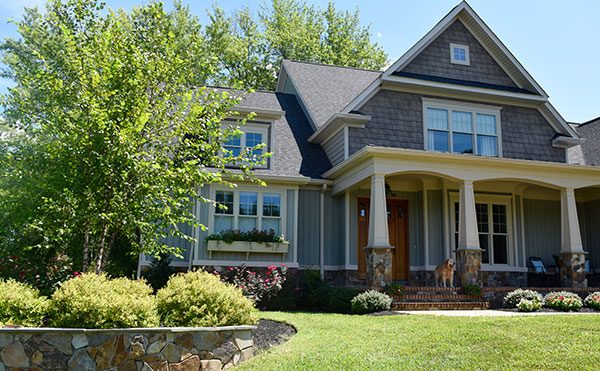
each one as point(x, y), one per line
point(557, 43)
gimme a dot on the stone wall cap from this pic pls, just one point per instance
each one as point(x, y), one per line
point(126, 330)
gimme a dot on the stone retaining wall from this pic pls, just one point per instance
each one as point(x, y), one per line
point(174, 349)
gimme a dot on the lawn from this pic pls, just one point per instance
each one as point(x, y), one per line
point(343, 342)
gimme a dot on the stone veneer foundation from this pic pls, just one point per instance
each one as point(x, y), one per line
point(572, 269)
point(143, 349)
point(468, 267)
point(379, 267)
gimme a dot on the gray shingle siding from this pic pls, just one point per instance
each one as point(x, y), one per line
point(434, 60)
point(587, 153)
point(334, 148)
point(397, 121)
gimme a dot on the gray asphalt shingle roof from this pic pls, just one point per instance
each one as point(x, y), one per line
point(326, 89)
point(587, 153)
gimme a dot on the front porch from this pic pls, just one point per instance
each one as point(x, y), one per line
point(411, 210)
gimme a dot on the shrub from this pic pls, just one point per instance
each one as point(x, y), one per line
point(471, 290)
point(395, 290)
point(44, 275)
point(526, 305)
point(255, 286)
point(563, 301)
point(340, 299)
point(198, 298)
point(159, 272)
point(95, 301)
point(593, 300)
point(513, 298)
point(20, 304)
point(371, 301)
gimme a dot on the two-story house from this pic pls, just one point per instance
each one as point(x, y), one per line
point(454, 151)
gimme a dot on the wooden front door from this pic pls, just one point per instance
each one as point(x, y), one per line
point(397, 211)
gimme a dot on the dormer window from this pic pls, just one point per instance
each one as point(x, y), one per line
point(459, 54)
point(252, 135)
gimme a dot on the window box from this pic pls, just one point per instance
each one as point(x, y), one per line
point(248, 247)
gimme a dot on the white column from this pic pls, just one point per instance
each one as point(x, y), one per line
point(468, 238)
point(571, 235)
point(378, 224)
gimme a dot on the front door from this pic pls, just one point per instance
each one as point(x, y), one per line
point(397, 212)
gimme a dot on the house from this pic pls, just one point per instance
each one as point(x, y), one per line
point(454, 151)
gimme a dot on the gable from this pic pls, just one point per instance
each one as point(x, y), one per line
point(434, 60)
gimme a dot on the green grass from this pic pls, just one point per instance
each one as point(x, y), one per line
point(411, 342)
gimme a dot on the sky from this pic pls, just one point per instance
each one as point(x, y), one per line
point(558, 42)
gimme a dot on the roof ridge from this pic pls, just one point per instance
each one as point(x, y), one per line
point(254, 90)
point(333, 65)
point(597, 119)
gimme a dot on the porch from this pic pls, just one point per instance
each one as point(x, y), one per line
point(410, 210)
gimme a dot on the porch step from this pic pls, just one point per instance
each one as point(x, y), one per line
point(429, 289)
point(430, 297)
point(454, 305)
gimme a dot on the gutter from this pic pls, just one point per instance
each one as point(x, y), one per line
point(322, 233)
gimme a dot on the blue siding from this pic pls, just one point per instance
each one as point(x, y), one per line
point(592, 235)
point(542, 229)
point(308, 227)
point(435, 226)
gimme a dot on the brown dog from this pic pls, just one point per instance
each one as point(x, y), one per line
point(444, 272)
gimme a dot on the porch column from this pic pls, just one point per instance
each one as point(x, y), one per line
point(468, 253)
point(572, 256)
point(378, 251)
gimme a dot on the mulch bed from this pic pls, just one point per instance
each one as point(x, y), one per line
point(271, 333)
point(386, 313)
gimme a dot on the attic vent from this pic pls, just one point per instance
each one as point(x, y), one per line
point(459, 54)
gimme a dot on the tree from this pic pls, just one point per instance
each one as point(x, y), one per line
point(113, 136)
point(249, 51)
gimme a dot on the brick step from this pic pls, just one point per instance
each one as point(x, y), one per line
point(423, 289)
point(453, 305)
point(436, 297)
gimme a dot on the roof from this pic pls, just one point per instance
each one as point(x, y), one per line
point(326, 89)
point(587, 153)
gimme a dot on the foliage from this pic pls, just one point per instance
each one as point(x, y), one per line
point(593, 300)
point(563, 300)
point(371, 301)
point(255, 287)
point(198, 298)
point(514, 297)
point(231, 235)
point(110, 135)
point(396, 290)
point(96, 301)
point(340, 299)
point(471, 290)
point(20, 304)
point(527, 305)
point(249, 50)
point(159, 272)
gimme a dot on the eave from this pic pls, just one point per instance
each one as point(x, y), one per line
point(336, 123)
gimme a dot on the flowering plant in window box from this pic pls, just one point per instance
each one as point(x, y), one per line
point(233, 240)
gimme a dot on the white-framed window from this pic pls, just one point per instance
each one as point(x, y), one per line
point(459, 54)
point(458, 127)
point(252, 135)
point(246, 208)
point(494, 223)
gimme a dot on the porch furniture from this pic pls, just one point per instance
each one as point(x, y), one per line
point(539, 276)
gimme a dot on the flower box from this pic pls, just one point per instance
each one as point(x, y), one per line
point(248, 247)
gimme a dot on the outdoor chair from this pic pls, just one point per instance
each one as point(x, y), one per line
point(539, 276)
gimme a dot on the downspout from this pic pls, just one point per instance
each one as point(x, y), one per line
point(322, 233)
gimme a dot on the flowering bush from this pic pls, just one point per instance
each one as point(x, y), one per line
point(526, 305)
point(396, 290)
point(563, 301)
point(593, 300)
point(472, 290)
point(513, 298)
point(255, 286)
point(254, 235)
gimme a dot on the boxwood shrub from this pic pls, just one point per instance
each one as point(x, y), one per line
point(96, 301)
point(513, 298)
point(198, 299)
point(371, 301)
point(21, 304)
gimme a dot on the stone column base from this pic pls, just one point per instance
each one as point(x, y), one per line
point(468, 267)
point(572, 269)
point(379, 266)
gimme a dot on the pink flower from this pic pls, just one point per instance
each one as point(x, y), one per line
point(230, 268)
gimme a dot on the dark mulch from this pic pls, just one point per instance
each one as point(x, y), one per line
point(548, 310)
point(271, 333)
point(386, 313)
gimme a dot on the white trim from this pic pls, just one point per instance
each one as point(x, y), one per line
point(336, 123)
point(363, 97)
point(237, 263)
point(347, 267)
point(467, 61)
point(254, 128)
point(264, 114)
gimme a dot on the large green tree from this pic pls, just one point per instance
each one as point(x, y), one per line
point(249, 49)
point(110, 135)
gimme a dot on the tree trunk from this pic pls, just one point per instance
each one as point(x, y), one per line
point(100, 255)
point(86, 247)
point(109, 247)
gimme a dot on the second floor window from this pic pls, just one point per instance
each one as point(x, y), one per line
point(462, 130)
point(251, 137)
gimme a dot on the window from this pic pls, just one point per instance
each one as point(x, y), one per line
point(493, 229)
point(247, 209)
point(459, 54)
point(461, 129)
point(251, 136)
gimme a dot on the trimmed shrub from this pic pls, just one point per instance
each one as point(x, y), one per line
point(95, 301)
point(340, 299)
point(371, 301)
point(526, 305)
point(198, 298)
point(593, 300)
point(563, 301)
point(513, 298)
point(21, 304)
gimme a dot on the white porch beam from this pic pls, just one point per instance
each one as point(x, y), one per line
point(468, 238)
point(378, 225)
point(571, 235)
